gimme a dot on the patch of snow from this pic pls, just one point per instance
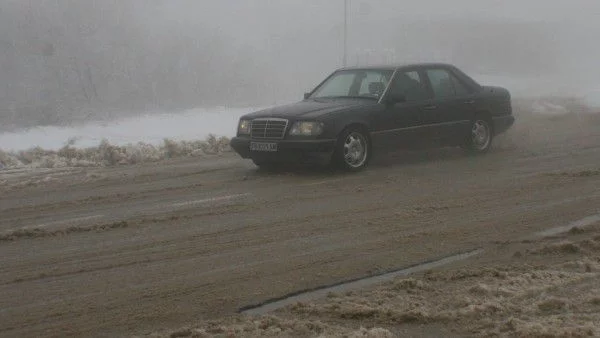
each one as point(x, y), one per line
point(548, 108)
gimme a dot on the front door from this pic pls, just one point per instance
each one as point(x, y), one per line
point(399, 125)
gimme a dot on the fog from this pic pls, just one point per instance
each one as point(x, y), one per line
point(64, 62)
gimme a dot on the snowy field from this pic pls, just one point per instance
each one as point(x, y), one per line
point(192, 124)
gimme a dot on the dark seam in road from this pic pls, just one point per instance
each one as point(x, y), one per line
point(279, 302)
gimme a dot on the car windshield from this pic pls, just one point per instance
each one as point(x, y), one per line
point(361, 83)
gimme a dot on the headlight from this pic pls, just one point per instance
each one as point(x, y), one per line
point(306, 128)
point(244, 127)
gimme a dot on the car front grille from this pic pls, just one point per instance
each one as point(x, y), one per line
point(268, 128)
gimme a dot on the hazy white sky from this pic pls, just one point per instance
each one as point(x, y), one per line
point(232, 12)
point(256, 21)
point(514, 9)
point(316, 25)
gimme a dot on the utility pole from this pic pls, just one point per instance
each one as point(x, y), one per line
point(346, 32)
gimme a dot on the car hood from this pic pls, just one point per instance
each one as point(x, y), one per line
point(311, 108)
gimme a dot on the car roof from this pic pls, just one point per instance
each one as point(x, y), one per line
point(398, 66)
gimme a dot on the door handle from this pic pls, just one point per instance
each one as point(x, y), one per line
point(430, 107)
point(469, 101)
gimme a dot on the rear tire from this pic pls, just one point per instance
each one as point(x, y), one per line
point(352, 150)
point(479, 140)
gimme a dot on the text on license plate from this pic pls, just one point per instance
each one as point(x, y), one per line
point(261, 146)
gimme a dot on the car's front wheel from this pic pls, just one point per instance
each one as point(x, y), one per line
point(479, 140)
point(353, 150)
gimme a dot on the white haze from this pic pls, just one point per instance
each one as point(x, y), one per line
point(73, 69)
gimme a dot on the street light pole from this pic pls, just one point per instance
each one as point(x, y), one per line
point(345, 32)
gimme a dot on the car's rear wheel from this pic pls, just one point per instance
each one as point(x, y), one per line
point(353, 149)
point(480, 136)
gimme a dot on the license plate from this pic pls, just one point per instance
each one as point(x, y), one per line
point(261, 146)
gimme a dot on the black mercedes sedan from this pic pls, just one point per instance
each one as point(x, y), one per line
point(360, 111)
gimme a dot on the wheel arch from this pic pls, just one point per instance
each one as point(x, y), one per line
point(356, 124)
point(487, 115)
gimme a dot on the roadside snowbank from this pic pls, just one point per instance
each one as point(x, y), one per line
point(107, 154)
point(553, 106)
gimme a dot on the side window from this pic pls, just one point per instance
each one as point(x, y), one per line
point(445, 84)
point(459, 88)
point(373, 84)
point(441, 83)
point(410, 85)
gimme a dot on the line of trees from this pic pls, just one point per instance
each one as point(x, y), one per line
point(65, 61)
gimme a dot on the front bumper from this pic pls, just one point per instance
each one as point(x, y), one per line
point(287, 150)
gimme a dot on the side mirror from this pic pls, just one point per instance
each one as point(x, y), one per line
point(394, 98)
point(306, 95)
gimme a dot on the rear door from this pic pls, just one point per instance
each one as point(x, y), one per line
point(453, 105)
point(400, 125)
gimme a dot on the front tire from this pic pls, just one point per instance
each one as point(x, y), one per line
point(353, 150)
point(479, 140)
